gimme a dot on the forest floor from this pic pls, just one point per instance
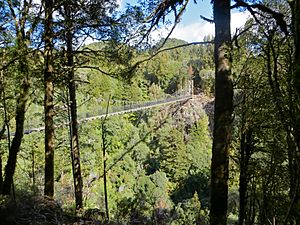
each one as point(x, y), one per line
point(40, 210)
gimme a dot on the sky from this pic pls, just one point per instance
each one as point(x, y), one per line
point(191, 27)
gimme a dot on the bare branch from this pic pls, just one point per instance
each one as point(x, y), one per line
point(206, 19)
point(279, 17)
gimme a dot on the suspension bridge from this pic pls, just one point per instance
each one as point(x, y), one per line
point(112, 110)
point(116, 110)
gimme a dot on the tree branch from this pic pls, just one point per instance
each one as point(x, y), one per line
point(279, 17)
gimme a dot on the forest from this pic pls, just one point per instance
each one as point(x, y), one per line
point(216, 139)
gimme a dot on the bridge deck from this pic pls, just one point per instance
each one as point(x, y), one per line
point(119, 110)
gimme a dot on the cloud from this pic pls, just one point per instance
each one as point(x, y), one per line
point(193, 32)
point(197, 31)
point(239, 19)
point(120, 4)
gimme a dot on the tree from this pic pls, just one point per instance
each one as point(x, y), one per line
point(81, 20)
point(285, 95)
point(74, 142)
point(48, 98)
point(295, 8)
point(222, 114)
point(273, 44)
point(19, 22)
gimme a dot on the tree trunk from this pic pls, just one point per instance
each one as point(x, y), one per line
point(222, 114)
point(295, 198)
point(246, 144)
point(20, 113)
point(1, 176)
point(295, 6)
point(294, 174)
point(104, 148)
point(2, 94)
point(17, 140)
point(75, 153)
point(48, 101)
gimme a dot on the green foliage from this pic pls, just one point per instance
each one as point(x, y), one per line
point(263, 97)
point(199, 147)
point(172, 154)
point(189, 212)
point(146, 165)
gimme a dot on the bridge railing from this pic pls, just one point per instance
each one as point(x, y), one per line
point(112, 109)
point(36, 123)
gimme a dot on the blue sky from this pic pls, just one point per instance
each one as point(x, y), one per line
point(192, 27)
point(193, 11)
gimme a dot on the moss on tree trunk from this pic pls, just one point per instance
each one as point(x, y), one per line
point(222, 114)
